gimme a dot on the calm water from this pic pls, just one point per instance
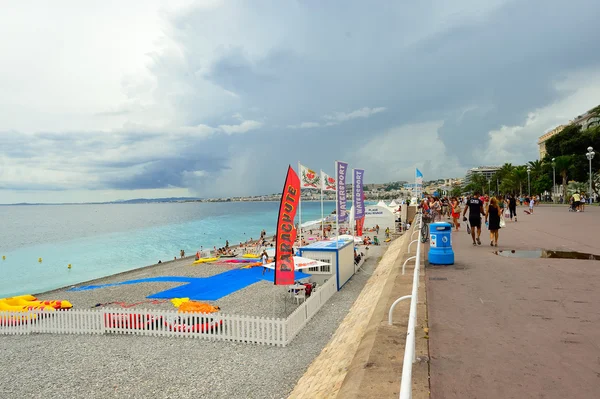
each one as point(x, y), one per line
point(100, 240)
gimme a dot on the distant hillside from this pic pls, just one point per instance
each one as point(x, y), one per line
point(152, 200)
point(131, 201)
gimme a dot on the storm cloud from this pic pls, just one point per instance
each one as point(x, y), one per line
point(227, 94)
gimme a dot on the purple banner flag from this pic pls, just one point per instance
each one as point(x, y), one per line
point(358, 195)
point(341, 168)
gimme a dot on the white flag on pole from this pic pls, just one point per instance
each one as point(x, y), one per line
point(308, 178)
point(327, 182)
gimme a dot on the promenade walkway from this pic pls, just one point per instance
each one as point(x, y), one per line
point(515, 327)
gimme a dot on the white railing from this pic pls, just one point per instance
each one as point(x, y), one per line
point(409, 349)
point(170, 323)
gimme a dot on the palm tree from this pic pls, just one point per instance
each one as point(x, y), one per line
point(505, 171)
point(536, 168)
point(503, 175)
point(563, 164)
point(479, 182)
point(519, 176)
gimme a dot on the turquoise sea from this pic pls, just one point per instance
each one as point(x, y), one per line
point(100, 240)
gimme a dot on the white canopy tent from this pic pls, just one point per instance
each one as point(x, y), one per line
point(393, 204)
point(301, 263)
point(377, 215)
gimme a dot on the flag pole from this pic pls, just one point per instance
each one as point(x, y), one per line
point(353, 207)
point(337, 208)
point(417, 190)
point(322, 221)
point(300, 205)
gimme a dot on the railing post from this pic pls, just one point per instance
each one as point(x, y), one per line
point(411, 243)
point(397, 301)
point(406, 261)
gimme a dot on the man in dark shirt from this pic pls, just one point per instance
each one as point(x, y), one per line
point(475, 208)
point(512, 207)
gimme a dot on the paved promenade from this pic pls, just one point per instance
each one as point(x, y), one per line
point(515, 327)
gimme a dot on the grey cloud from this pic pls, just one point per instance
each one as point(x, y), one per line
point(364, 112)
point(312, 80)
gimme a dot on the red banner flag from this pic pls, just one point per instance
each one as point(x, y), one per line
point(286, 230)
point(359, 226)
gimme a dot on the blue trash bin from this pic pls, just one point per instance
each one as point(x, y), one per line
point(440, 244)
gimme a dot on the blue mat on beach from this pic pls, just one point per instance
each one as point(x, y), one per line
point(203, 288)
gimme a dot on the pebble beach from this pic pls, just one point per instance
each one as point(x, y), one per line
point(259, 299)
point(138, 367)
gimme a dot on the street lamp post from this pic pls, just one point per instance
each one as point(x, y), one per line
point(528, 180)
point(497, 187)
point(590, 155)
point(553, 180)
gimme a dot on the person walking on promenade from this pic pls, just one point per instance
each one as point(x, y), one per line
point(512, 207)
point(475, 208)
point(531, 204)
point(583, 201)
point(493, 214)
point(455, 213)
point(445, 207)
point(436, 209)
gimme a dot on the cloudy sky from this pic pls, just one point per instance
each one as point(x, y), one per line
point(124, 99)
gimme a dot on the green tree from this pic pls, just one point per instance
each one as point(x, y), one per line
point(504, 177)
point(456, 191)
point(563, 165)
point(541, 184)
point(576, 187)
point(536, 167)
point(519, 177)
point(573, 141)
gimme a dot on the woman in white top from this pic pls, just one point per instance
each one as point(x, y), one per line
point(531, 204)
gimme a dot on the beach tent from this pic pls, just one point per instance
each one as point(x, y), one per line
point(393, 204)
point(381, 203)
point(377, 215)
point(301, 263)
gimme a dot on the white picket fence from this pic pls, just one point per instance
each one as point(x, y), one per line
point(302, 315)
point(169, 323)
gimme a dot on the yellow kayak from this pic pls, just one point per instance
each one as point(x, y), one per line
point(251, 256)
point(24, 303)
point(204, 260)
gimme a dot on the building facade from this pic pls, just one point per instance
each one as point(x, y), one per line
point(487, 171)
point(543, 138)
